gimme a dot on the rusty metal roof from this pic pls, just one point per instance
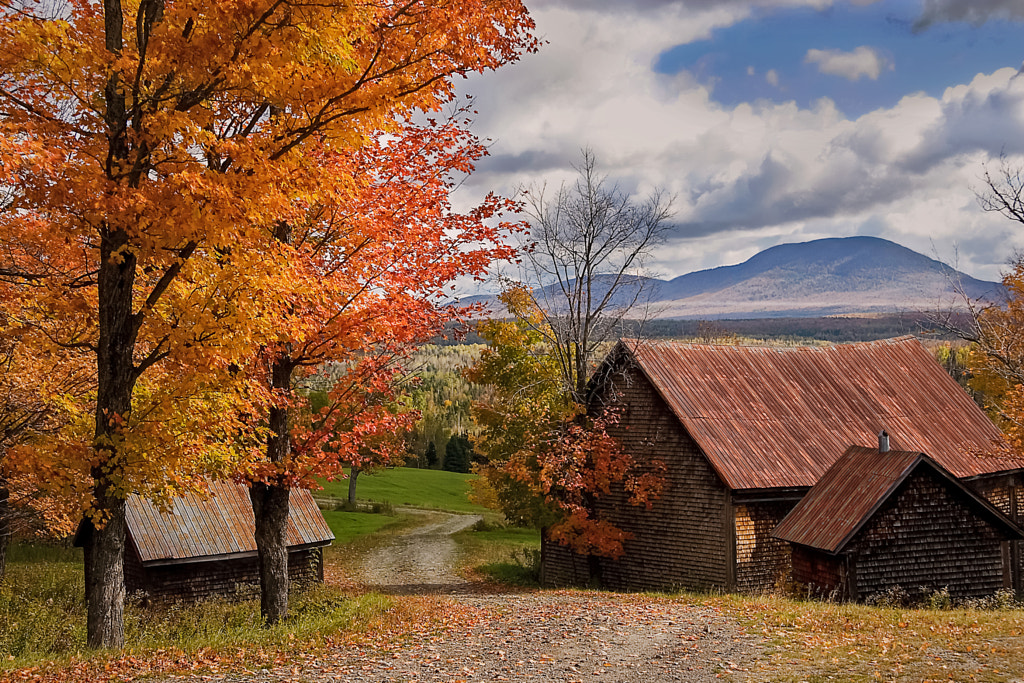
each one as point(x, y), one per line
point(769, 417)
point(854, 488)
point(221, 526)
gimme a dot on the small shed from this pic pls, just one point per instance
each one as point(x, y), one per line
point(205, 546)
point(880, 519)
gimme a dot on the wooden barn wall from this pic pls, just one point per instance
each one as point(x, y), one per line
point(924, 539)
point(763, 563)
point(232, 578)
point(1006, 492)
point(562, 567)
point(821, 574)
point(684, 540)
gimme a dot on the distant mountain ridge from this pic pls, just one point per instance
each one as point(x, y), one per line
point(832, 276)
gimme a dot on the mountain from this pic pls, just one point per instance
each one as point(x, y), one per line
point(836, 276)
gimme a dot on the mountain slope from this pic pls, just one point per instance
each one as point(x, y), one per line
point(835, 276)
point(823, 277)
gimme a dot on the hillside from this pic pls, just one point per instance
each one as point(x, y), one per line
point(836, 276)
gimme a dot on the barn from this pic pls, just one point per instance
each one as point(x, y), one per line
point(204, 546)
point(879, 519)
point(745, 432)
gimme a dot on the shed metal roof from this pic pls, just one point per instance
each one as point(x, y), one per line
point(769, 417)
point(221, 526)
point(855, 487)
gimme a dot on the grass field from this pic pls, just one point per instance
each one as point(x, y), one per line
point(430, 489)
point(349, 526)
point(42, 622)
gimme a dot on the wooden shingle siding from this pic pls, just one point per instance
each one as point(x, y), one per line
point(235, 578)
point(1006, 492)
point(821, 574)
point(560, 566)
point(925, 539)
point(683, 540)
point(763, 563)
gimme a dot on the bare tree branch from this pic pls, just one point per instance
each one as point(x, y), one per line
point(590, 244)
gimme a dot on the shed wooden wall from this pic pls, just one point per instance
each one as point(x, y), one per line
point(1006, 492)
point(822, 574)
point(926, 538)
point(685, 539)
point(231, 578)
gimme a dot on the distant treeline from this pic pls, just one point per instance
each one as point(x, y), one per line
point(796, 330)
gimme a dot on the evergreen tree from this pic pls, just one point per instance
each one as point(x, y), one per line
point(431, 455)
point(457, 454)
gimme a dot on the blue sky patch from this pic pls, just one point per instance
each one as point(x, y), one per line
point(736, 61)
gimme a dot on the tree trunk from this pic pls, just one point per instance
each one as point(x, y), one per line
point(270, 507)
point(5, 524)
point(115, 377)
point(104, 588)
point(352, 476)
point(115, 381)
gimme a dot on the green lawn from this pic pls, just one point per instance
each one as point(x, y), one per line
point(348, 526)
point(431, 489)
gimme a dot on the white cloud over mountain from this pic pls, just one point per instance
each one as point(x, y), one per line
point(759, 173)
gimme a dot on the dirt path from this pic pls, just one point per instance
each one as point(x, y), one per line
point(473, 633)
point(420, 561)
point(543, 636)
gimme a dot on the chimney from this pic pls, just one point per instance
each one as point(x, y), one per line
point(883, 441)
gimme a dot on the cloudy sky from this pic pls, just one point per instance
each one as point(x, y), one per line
point(773, 121)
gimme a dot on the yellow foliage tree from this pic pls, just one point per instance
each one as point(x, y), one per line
point(150, 152)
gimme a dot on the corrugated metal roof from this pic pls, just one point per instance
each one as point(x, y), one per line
point(769, 417)
point(854, 488)
point(219, 526)
point(845, 497)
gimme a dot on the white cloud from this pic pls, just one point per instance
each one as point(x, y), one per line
point(753, 175)
point(863, 61)
point(772, 76)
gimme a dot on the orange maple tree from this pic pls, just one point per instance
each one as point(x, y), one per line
point(996, 356)
point(154, 153)
point(375, 255)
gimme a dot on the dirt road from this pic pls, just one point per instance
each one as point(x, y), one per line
point(543, 636)
point(420, 561)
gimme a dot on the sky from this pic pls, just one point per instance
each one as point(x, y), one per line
point(772, 121)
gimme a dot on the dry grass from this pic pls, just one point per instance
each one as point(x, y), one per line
point(819, 641)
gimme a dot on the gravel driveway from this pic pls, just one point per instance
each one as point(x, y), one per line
point(541, 635)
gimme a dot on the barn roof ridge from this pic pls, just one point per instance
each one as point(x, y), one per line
point(780, 420)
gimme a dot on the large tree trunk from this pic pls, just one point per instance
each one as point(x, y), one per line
point(104, 588)
point(115, 375)
point(270, 508)
point(115, 380)
point(352, 476)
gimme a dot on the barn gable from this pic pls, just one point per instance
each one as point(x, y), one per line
point(857, 486)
